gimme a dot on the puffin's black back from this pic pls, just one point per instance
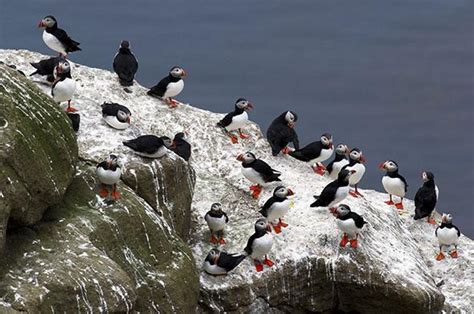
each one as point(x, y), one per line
point(75, 120)
point(279, 134)
point(309, 152)
point(229, 261)
point(358, 220)
point(160, 88)
point(126, 66)
point(46, 66)
point(145, 144)
point(425, 200)
point(69, 44)
point(111, 109)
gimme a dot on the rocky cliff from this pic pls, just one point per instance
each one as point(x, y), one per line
point(393, 270)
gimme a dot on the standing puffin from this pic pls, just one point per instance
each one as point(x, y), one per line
point(426, 198)
point(116, 115)
point(180, 146)
point(216, 220)
point(349, 223)
point(339, 161)
point(257, 171)
point(169, 86)
point(276, 207)
point(315, 153)
point(393, 182)
point(46, 67)
point(260, 244)
point(64, 86)
point(356, 160)
point(281, 132)
point(236, 120)
point(56, 38)
point(108, 172)
point(125, 64)
point(149, 146)
point(448, 235)
point(220, 263)
point(335, 191)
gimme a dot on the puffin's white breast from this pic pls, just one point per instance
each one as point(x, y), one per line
point(262, 246)
point(238, 121)
point(357, 176)
point(108, 176)
point(447, 236)
point(52, 42)
point(325, 155)
point(174, 88)
point(341, 194)
point(336, 168)
point(347, 226)
point(115, 123)
point(215, 223)
point(252, 175)
point(393, 186)
point(64, 90)
point(159, 153)
point(213, 269)
point(278, 210)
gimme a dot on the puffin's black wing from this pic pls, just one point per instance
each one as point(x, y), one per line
point(268, 174)
point(183, 149)
point(160, 88)
point(226, 120)
point(111, 109)
point(248, 248)
point(425, 202)
point(404, 181)
point(327, 195)
point(309, 152)
point(330, 165)
point(266, 206)
point(75, 120)
point(226, 218)
point(145, 144)
point(69, 44)
point(436, 231)
point(45, 67)
point(125, 65)
point(359, 221)
point(457, 229)
point(229, 261)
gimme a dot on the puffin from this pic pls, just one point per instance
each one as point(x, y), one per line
point(220, 263)
point(339, 161)
point(356, 162)
point(426, 198)
point(149, 146)
point(258, 172)
point(260, 244)
point(315, 153)
point(276, 207)
point(180, 146)
point(57, 39)
point(281, 132)
point(335, 191)
point(46, 67)
point(393, 182)
point(75, 120)
point(169, 86)
point(108, 172)
point(216, 220)
point(125, 64)
point(349, 223)
point(64, 86)
point(448, 235)
point(236, 120)
point(115, 115)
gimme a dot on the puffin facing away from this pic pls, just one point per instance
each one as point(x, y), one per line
point(335, 191)
point(149, 146)
point(393, 182)
point(125, 64)
point(236, 120)
point(170, 86)
point(108, 172)
point(260, 244)
point(258, 172)
point(56, 38)
point(276, 207)
point(448, 235)
point(339, 161)
point(281, 132)
point(180, 146)
point(216, 220)
point(356, 163)
point(64, 86)
point(315, 153)
point(426, 198)
point(46, 67)
point(349, 223)
point(116, 115)
point(220, 263)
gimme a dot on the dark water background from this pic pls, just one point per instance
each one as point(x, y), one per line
point(394, 78)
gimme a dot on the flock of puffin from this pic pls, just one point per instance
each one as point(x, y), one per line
point(346, 169)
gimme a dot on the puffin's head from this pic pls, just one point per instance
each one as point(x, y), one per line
point(112, 160)
point(47, 22)
point(389, 166)
point(427, 176)
point(243, 103)
point(216, 208)
point(345, 174)
point(125, 44)
point(246, 158)
point(262, 226)
point(291, 118)
point(356, 154)
point(63, 67)
point(167, 141)
point(282, 192)
point(447, 218)
point(213, 256)
point(326, 140)
point(177, 72)
point(123, 116)
point(342, 210)
point(342, 149)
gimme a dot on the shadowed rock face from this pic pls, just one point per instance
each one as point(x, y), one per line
point(38, 152)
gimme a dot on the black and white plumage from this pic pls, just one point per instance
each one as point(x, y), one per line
point(260, 244)
point(46, 67)
point(281, 132)
point(448, 236)
point(426, 198)
point(180, 146)
point(125, 64)
point(335, 191)
point(220, 263)
point(109, 172)
point(339, 161)
point(216, 220)
point(349, 223)
point(55, 38)
point(276, 207)
point(356, 163)
point(236, 120)
point(116, 115)
point(315, 153)
point(149, 146)
point(170, 86)
point(393, 182)
point(258, 172)
point(64, 86)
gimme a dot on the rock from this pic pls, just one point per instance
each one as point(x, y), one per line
point(38, 152)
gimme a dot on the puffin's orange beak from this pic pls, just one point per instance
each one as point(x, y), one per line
point(185, 73)
point(382, 165)
point(362, 158)
point(240, 157)
point(249, 106)
point(129, 120)
point(290, 192)
point(40, 24)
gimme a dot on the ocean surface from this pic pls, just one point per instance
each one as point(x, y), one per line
point(394, 78)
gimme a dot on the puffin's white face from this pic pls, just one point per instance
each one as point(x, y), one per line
point(112, 160)
point(342, 149)
point(342, 210)
point(262, 225)
point(390, 166)
point(345, 174)
point(214, 255)
point(427, 176)
point(178, 72)
point(216, 208)
point(123, 116)
point(326, 140)
point(63, 67)
point(282, 192)
point(47, 22)
point(246, 158)
point(167, 141)
point(357, 155)
point(447, 218)
point(243, 104)
point(290, 119)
